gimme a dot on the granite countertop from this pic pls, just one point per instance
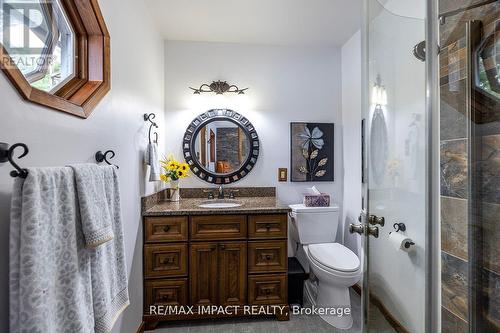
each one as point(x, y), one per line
point(189, 206)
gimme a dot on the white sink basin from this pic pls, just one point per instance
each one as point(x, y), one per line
point(220, 204)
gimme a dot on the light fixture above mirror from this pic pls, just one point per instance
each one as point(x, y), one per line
point(219, 88)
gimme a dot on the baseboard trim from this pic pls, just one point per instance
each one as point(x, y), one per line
point(141, 327)
point(385, 312)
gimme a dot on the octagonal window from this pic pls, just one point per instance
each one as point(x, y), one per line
point(40, 41)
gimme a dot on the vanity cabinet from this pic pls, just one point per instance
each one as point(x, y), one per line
point(206, 260)
point(218, 273)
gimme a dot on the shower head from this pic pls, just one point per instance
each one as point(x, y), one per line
point(419, 51)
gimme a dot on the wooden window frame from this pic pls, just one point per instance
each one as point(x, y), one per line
point(92, 81)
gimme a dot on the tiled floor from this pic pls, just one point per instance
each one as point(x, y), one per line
point(297, 324)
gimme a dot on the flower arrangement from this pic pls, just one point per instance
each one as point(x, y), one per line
point(173, 170)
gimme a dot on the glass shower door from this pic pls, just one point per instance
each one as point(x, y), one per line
point(470, 165)
point(395, 167)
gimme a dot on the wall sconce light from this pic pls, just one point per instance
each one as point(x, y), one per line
point(379, 94)
point(219, 88)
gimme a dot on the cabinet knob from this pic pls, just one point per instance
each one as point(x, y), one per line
point(166, 228)
point(222, 247)
point(167, 261)
point(268, 257)
point(268, 227)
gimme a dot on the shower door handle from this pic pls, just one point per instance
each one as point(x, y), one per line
point(374, 220)
point(356, 228)
point(373, 231)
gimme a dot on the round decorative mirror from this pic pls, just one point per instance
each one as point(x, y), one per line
point(221, 146)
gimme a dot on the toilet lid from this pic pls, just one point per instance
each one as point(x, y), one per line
point(335, 256)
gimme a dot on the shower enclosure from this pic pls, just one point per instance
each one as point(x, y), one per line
point(469, 65)
point(431, 202)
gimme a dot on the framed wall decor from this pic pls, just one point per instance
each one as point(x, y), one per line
point(312, 152)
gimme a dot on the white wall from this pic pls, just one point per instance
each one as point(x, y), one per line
point(58, 139)
point(286, 84)
point(351, 120)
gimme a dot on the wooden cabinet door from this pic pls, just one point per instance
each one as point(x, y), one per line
point(267, 226)
point(203, 274)
point(232, 273)
point(218, 227)
point(165, 260)
point(267, 256)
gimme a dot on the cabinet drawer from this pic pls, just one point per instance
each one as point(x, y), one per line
point(171, 292)
point(267, 289)
point(165, 260)
point(267, 226)
point(218, 227)
point(165, 229)
point(268, 256)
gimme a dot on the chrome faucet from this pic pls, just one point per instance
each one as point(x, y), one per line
point(221, 192)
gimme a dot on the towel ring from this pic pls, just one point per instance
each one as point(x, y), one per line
point(103, 157)
point(7, 155)
point(150, 117)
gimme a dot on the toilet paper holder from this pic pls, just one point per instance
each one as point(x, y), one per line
point(402, 227)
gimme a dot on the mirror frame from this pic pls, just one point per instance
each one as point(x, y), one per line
point(92, 82)
point(188, 146)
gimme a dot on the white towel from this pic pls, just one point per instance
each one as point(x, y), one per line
point(56, 283)
point(93, 185)
point(151, 159)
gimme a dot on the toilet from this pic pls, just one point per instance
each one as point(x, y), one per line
point(334, 267)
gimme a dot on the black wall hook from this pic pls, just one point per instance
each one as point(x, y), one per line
point(399, 227)
point(150, 117)
point(103, 157)
point(7, 155)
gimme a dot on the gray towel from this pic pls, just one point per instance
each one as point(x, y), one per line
point(56, 283)
point(151, 159)
point(49, 269)
point(96, 188)
point(108, 267)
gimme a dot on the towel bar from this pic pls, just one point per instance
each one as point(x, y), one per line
point(103, 157)
point(7, 155)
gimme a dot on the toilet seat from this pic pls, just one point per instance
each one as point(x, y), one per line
point(334, 257)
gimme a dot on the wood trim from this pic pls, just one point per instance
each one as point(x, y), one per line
point(398, 327)
point(92, 79)
point(141, 327)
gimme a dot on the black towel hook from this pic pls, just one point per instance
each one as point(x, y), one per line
point(7, 155)
point(399, 227)
point(150, 117)
point(103, 157)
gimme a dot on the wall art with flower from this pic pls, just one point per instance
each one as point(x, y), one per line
point(312, 148)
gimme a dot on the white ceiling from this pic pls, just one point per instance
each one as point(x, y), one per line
point(275, 22)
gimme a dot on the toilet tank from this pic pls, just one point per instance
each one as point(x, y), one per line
point(310, 225)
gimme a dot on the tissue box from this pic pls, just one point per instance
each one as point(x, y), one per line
point(320, 200)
